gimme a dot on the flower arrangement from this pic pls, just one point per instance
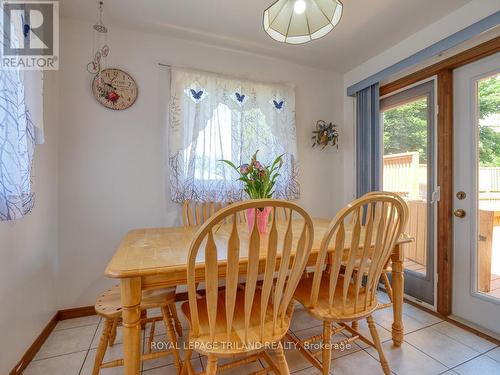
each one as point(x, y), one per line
point(324, 134)
point(259, 183)
point(259, 179)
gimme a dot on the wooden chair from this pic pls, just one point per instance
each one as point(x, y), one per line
point(108, 306)
point(196, 213)
point(346, 291)
point(245, 320)
point(387, 269)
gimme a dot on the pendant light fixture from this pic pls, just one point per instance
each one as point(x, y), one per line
point(300, 21)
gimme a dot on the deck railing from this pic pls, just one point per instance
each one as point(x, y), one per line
point(417, 228)
point(401, 174)
point(489, 179)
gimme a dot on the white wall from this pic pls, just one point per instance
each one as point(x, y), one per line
point(112, 163)
point(461, 18)
point(28, 269)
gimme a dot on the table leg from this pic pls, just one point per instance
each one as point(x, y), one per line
point(398, 291)
point(131, 302)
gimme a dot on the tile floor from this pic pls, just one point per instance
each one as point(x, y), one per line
point(431, 346)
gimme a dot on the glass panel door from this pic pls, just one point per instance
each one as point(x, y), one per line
point(476, 175)
point(408, 169)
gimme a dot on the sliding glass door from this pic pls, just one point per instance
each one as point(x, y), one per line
point(409, 169)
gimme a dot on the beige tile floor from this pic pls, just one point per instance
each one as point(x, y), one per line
point(431, 346)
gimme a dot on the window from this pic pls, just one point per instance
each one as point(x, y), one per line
point(213, 117)
point(212, 143)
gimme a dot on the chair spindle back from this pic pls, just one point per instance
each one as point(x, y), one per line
point(363, 236)
point(396, 196)
point(278, 257)
point(196, 213)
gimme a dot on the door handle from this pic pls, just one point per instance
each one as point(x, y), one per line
point(459, 213)
point(436, 195)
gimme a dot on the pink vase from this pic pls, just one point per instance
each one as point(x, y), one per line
point(262, 219)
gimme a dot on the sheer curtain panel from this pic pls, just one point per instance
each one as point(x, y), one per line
point(21, 126)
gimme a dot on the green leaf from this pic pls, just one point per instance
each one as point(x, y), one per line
point(231, 164)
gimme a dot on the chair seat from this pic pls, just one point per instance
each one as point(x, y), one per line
point(321, 310)
point(109, 303)
point(223, 347)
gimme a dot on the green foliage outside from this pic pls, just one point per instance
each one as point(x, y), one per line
point(405, 127)
point(489, 138)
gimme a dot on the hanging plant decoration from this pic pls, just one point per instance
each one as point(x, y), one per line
point(325, 134)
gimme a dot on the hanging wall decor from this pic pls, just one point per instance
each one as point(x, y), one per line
point(100, 47)
point(325, 134)
point(112, 87)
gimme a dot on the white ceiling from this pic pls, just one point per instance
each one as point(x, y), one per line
point(367, 27)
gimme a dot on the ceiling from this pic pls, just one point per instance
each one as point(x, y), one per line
point(367, 27)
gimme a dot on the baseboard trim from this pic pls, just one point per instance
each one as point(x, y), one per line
point(28, 356)
point(35, 347)
point(77, 312)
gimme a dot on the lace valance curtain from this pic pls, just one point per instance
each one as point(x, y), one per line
point(214, 117)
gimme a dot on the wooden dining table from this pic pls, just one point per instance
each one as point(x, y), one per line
point(154, 258)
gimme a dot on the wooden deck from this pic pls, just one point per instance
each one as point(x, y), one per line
point(416, 267)
point(495, 286)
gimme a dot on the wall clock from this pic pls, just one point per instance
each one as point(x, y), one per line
point(116, 90)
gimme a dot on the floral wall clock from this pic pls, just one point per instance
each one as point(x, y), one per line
point(115, 89)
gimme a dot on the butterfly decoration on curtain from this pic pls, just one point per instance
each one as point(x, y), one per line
point(196, 93)
point(239, 98)
point(278, 104)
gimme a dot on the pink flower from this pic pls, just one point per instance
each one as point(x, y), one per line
point(112, 96)
point(257, 165)
point(244, 168)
